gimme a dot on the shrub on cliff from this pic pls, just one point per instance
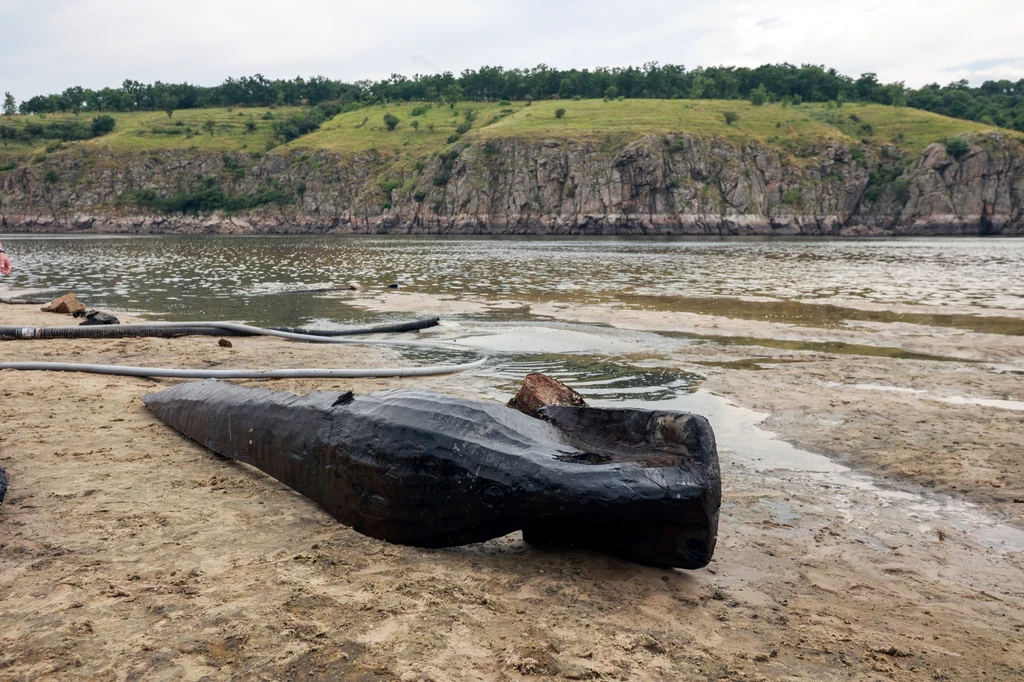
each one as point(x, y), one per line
point(330, 109)
point(297, 125)
point(958, 148)
point(559, 113)
point(205, 197)
point(65, 131)
point(391, 121)
point(794, 196)
point(101, 125)
point(730, 117)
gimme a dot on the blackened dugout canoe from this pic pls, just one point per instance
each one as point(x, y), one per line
point(421, 468)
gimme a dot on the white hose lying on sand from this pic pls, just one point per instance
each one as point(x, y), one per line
point(120, 370)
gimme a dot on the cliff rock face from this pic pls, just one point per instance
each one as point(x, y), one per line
point(675, 185)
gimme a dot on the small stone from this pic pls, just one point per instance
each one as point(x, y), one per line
point(392, 286)
point(355, 286)
point(224, 343)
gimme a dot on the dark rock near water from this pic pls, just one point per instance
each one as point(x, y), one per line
point(422, 468)
point(224, 343)
point(96, 317)
point(3, 484)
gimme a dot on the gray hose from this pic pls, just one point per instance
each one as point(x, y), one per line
point(25, 301)
point(386, 328)
point(174, 329)
point(434, 370)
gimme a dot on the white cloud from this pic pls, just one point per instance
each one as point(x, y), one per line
point(51, 45)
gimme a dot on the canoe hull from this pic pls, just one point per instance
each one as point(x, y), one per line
point(422, 468)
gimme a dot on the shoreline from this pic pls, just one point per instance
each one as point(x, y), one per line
point(540, 236)
point(133, 552)
point(709, 226)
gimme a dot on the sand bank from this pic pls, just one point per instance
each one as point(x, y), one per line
point(127, 552)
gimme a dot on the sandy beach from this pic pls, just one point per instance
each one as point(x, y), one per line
point(130, 553)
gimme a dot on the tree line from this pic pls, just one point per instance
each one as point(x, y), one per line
point(994, 102)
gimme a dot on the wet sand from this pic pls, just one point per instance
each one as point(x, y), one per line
point(128, 552)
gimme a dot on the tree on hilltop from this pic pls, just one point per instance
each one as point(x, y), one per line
point(453, 94)
point(10, 106)
point(169, 103)
point(759, 95)
point(995, 102)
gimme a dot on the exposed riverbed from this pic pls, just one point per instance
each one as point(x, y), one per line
point(866, 409)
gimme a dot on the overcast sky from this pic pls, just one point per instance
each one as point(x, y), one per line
point(48, 45)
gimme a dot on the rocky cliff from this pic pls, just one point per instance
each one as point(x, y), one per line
point(670, 185)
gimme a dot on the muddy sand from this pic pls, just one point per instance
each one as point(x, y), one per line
point(130, 553)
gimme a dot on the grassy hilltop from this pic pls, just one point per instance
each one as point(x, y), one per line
point(434, 128)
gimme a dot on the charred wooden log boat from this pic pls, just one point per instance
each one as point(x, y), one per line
point(421, 468)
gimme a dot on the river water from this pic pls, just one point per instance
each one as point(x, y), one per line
point(249, 278)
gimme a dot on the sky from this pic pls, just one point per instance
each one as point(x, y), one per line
point(49, 45)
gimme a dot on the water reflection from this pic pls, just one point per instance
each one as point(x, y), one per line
point(248, 278)
point(596, 379)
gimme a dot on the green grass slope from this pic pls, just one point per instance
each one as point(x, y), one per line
point(791, 128)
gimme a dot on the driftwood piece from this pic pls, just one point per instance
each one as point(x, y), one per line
point(421, 468)
point(539, 391)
